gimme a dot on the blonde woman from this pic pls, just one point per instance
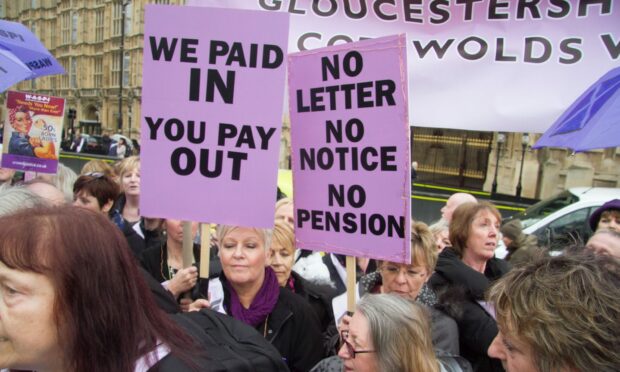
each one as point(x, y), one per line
point(251, 293)
point(281, 257)
point(127, 206)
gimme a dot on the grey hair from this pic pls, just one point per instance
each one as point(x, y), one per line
point(64, 180)
point(14, 199)
point(400, 333)
point(439, 226)
point(223, 230)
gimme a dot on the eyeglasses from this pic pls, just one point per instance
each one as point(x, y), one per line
point(350, 350)
point(389, 270)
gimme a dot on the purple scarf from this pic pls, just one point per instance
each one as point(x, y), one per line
point(263, 304)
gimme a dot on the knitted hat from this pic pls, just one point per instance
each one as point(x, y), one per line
point(596, 216)
point(512, 229)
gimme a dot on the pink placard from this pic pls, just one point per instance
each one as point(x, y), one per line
point(350, 140)
point(213, 93)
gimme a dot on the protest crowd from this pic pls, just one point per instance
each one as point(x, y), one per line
point(180, 253)
point(88, 283)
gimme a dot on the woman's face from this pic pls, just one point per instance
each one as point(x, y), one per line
point(610, 220)
point(130, 182)
point(22, 122)
point(28, 332)
point(403, 280)
point(286, 214)
point(442, 239)
point(483, 235)
point(243, 257)
point(358, 339)
point(281, 260)
point(515, 354)
point(86, 200)
point(174, 230)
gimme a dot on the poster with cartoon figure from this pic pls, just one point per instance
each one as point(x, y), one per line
point(32, 130)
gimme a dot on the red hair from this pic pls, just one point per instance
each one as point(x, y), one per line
point(105, 316)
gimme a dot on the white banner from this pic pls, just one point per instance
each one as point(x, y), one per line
point(495, 65)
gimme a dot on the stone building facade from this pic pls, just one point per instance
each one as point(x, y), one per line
point(548, 171)
point(85, 36)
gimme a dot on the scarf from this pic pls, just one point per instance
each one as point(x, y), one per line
point(263, 304)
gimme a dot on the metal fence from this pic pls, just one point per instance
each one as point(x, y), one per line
point(451, 157)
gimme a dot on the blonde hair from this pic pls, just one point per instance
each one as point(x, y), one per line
point(282, 202)
point(400, 333)
point(265, 234)
point(284, 236)
point(98, 166)
point(129, 164)
point(423, 248)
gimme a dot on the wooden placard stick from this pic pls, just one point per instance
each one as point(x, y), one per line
point(205, 249)
point(188, 251)
point(188, 244)
point(351, 276)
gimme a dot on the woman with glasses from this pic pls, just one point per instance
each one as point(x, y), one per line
point(409, 281)
point(464, 272)
point(388, 333)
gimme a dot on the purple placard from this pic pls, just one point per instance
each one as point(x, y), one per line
point(350, 140)
point(213, 92)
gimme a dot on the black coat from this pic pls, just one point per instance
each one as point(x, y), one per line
point(164, 299)
point(293, 328)
point(318, 296)
point(458, 283)
point(320, 299)
point(222, 344)
point(154, 261)
point(135, 241)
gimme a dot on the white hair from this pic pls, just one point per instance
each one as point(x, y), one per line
point(14, 199)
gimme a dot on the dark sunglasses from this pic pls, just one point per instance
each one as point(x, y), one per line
point(350, 350)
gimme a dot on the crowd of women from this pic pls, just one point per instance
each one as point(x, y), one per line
point(102, 288)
